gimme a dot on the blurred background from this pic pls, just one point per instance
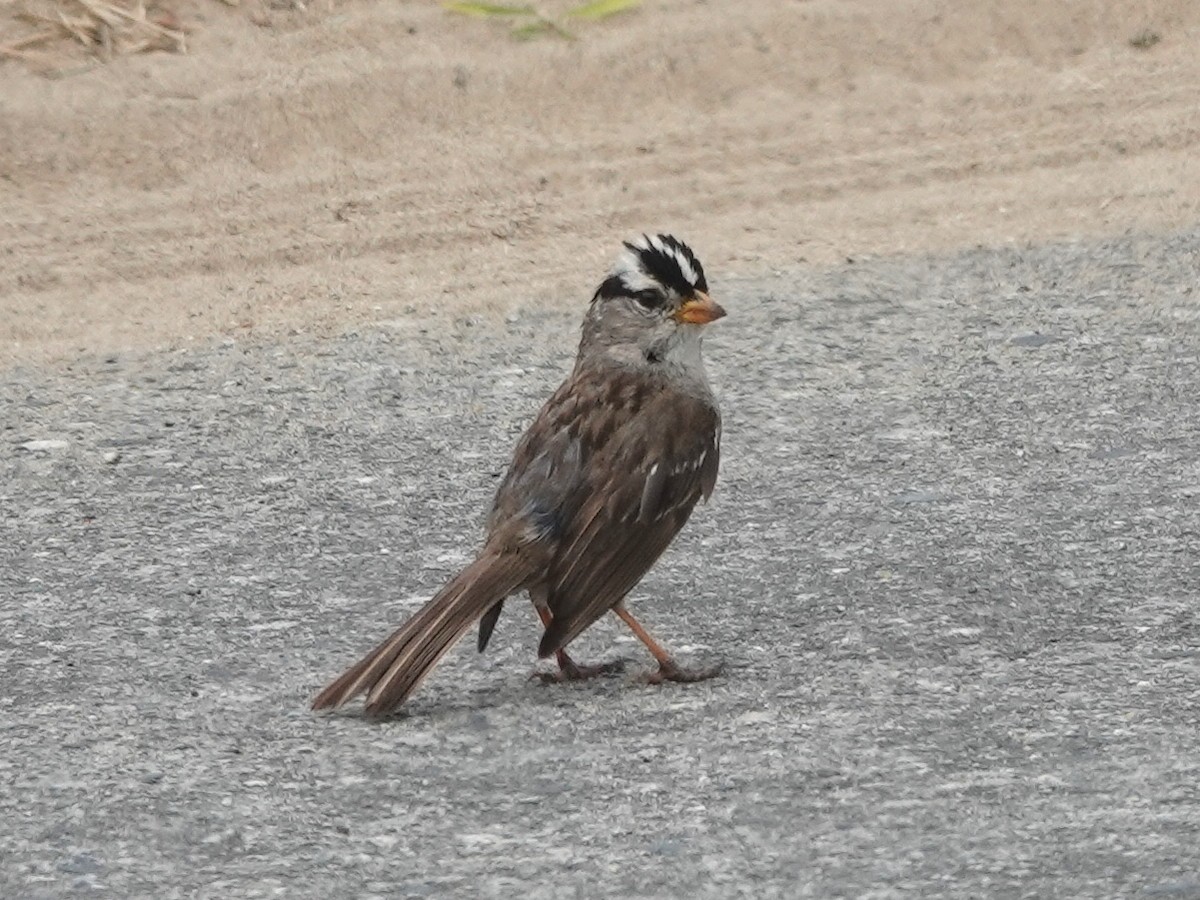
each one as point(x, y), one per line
point(198, 167)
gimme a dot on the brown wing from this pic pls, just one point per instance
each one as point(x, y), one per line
point(546, 464)
point(555, 466)
point(533, 501)
point(640, 485)
point(544, 485)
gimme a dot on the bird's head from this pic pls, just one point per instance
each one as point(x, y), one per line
point(653, 305)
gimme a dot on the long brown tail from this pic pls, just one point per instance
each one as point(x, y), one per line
point(394, 669)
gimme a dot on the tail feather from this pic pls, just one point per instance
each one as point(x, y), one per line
point(487, 625)
point(394, 669)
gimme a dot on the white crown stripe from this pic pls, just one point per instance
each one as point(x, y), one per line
point(685, 266)
point(629, 269)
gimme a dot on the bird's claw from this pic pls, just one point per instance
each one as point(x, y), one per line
point(573, 671)
point(672, 671)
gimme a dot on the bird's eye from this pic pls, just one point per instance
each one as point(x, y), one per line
point(649, 298)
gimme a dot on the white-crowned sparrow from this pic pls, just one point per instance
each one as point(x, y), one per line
point(599, 485)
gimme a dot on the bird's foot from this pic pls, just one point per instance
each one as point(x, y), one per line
point(569, 670)
point(672, 671)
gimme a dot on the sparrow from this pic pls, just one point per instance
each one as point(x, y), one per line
point(599, 484)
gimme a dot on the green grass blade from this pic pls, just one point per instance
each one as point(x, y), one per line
point(488, 9)
point(539, 28)
point(531, 31)
point(601, 9)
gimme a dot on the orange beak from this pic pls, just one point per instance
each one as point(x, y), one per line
point(699, 309)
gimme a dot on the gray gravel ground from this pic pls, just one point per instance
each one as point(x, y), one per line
point(952, 565)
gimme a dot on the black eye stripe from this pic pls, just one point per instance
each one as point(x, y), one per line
point(651, 299)
point(614, 286)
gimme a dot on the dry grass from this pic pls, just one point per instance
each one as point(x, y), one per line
point(58, 31)
point(63, 37)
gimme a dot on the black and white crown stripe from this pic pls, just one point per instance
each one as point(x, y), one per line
point(659, 262)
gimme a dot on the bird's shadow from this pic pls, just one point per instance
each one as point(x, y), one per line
point(530, 692)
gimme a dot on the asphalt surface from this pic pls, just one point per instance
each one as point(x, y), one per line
point(951, 564)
